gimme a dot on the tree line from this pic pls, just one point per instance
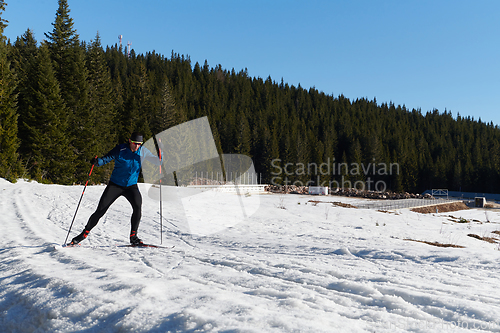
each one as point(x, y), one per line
point(63, 101)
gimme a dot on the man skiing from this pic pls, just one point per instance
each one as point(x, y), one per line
point(128, 159)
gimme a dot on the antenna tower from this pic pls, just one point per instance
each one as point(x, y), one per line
point(129, 44)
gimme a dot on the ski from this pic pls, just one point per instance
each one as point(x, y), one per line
point(127, 245)
point(63, 246)
point(149, 245)
point(70, 245)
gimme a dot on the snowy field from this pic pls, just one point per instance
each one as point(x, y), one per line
point(292, 266)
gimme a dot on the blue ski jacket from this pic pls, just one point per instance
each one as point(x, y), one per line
point(127, 163)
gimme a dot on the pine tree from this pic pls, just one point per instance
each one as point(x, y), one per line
point(47, 126)
point(69, 67)
point(9, 144)
point(117, 64)
point(344, 179)
point(102, 111)
point(357, 174)
point(24, 57)
point(143, 118)
point(242, 135)
point(166, 114)
point(266, 156)
point(136, 114)
point(3, 22)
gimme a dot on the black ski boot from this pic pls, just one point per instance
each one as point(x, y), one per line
point(134, 240)
point(80, 237)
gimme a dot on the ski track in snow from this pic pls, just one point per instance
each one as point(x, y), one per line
point(306, 268)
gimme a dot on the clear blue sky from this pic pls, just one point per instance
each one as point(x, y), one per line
point(423, 54)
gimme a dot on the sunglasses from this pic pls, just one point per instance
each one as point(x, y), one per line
point(138, 143)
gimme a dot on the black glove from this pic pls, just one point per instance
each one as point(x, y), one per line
point(93, 161)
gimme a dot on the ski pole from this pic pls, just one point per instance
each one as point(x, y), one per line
point(161, 214)
point(79, 202)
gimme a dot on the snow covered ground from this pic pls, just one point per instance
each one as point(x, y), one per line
point(292, 266)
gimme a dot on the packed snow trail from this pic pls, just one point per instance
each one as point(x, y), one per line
point(305, 268)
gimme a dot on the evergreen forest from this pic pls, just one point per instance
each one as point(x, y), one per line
point(64, 101)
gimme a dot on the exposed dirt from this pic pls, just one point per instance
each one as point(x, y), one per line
point(335, 203)
point(462, 220)
point(435, 243)
point(486, 239)
point(388, 212)
point(442, 208)
point(341, 204)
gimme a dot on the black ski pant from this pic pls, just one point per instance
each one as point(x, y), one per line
point(113, 192)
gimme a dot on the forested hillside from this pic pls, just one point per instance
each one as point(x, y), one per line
point(63, 101)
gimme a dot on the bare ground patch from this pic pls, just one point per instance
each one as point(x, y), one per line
point(335, 203)
point(461, 219)
point(435, 243)
point(442, 208)
point(486, 239)
point(387, 212)
point(492, 205)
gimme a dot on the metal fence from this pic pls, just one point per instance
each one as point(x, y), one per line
point(403, 203)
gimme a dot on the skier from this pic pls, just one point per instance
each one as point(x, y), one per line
point(128, 158)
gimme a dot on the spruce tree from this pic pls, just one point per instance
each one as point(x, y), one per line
point(102, 111)
point(166, 114)
point(3, 22)
point(9, 163)
point(270, 160)
point(243, 135)
point(24, 58)
point(136, 114)
point(117, 64)
point(47, 126)
point(143, 118)
point(358, 176)
point(69, 65)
